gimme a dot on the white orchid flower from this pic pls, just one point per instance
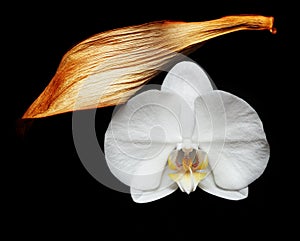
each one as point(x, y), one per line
point(186, 135)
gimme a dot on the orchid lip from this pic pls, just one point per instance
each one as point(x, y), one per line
point(189, 163)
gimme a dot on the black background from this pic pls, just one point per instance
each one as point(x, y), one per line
point(51, 194)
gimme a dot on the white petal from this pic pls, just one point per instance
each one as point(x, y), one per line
point(166, 187)
point(208, 185)
point(143, 174)
point(188, 80)
point(140, 137)
point(231, 133)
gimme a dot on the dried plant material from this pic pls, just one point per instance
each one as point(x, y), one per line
point(109, 67)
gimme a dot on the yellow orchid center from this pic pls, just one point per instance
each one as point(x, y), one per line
point(190, 166)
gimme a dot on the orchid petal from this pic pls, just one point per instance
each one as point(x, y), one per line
point(231, 133)
point(166, 187)
point(188, 80)
point(208, 185)
point(141, 135)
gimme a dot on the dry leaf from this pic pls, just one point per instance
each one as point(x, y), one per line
point(109, 67)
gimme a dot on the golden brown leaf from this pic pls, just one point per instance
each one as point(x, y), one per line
point(109, 67)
